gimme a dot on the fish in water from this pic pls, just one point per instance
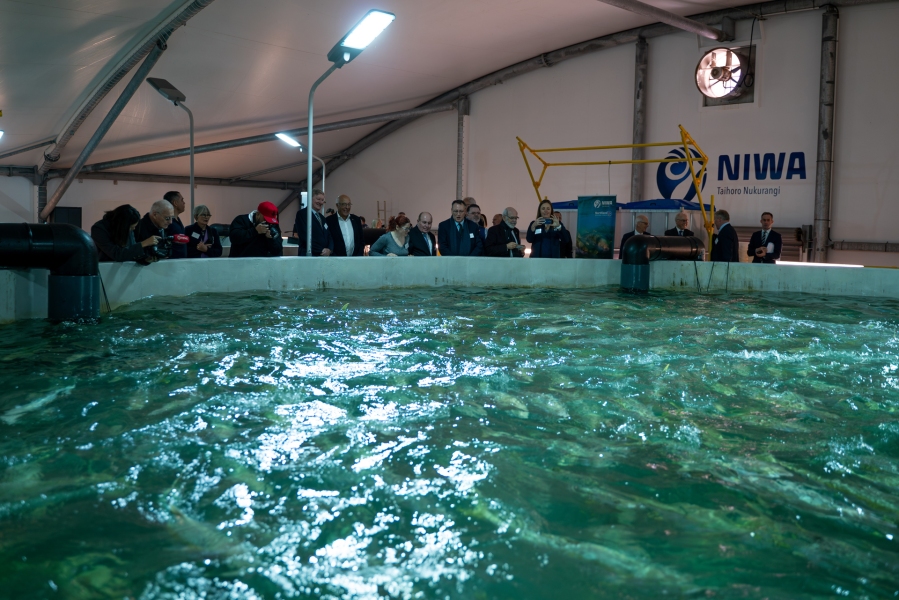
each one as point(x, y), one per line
point(14, 414)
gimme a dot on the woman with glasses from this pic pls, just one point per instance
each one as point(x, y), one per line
point(204, 240)
point(395, 242)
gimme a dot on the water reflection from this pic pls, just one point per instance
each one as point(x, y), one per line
point(501, 443)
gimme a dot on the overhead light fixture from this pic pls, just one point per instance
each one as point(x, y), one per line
point(1, 134)
point(720, 73)
point(352, 44)
point(171, 93)
point(289, 140)
point(360, 36)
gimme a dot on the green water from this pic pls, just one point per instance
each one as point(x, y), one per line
point(454, 444)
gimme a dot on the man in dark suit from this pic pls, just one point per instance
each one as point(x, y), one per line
point(345, 229)
point(473, 213)
point(176, 226)
point(641, 223)
point(680, 226)
point(458, 236)
point(322, 241)
point(725, 244)
point(421, 240)
point(765, 245)
point(504, 239)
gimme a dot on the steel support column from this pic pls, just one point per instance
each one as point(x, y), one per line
point(461, 153)
point(824, 171)
point(639, 117)
point(110, 118)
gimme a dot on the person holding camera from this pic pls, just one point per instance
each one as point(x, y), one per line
point(257, 234)
point(546, 234)
point(153, 224)
point(113, 236)
point(204, 240)
point(505, 239)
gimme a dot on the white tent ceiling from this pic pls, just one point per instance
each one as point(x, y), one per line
point(246, 68)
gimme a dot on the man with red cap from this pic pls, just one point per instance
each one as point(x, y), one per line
point(257, 234)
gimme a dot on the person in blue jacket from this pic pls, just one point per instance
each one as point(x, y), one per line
point(546, 234)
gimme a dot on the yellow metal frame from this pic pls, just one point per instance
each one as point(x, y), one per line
point(686, 142)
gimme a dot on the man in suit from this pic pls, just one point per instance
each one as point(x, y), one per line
point(504, 239)
point(725, 244)
point(640, 226)
point(473, 212)
point(345, 229)
point(680, 226)
point(457, 236)
point(322, 242)
point(421, 240)
point(765, 245)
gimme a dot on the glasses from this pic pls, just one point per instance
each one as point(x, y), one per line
point(512, 218)
point(204, 215)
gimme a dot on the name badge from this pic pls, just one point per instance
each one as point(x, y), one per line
point(471, 235)
point(195, 235)
point(538, 231)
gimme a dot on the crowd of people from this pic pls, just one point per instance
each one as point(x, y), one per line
point(123, 235)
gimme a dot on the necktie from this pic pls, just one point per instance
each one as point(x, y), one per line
point(680, 232)
point(764, 237)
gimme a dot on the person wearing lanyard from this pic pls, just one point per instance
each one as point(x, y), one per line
point(204, 240)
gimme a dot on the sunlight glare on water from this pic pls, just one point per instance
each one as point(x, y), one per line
point(478, 443)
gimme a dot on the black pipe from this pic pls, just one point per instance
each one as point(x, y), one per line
point(70, 255)
point(639, 250)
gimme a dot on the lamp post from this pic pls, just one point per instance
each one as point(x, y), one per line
point(170, 92)
point(352, 44)
point(292, 142)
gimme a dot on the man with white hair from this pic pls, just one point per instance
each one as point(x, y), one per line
point(640, 226)
point(154, 223)
point(505, 239)
point(681, 220)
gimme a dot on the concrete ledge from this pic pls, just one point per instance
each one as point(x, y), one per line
point(23, 293)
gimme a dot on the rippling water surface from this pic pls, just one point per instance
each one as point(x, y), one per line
point(453, 444)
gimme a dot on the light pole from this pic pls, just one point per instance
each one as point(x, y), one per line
point(352, 44)
point(170, 92)
point(292, 142)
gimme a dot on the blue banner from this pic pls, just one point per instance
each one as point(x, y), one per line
point(595, 226)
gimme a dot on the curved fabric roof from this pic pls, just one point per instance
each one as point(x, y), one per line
point(246, 68)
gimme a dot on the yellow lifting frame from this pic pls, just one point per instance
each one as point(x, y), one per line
point(686, 142)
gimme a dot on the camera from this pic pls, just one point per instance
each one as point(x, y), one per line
point(162, 249)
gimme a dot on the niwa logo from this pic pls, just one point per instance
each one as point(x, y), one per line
point(673, 178)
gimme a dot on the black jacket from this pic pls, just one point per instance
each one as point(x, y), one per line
point(336, 233)
point(176, 226)
point(726, 245)
point(246, 241)
point(756, 242)
point(109, 251)
point(466, 243)
point(417, 244)
point(497, 238)
point(673, 232)
point(145, 228)
point(195, 234)
point(321, 236)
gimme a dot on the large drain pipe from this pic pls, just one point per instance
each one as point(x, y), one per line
point(641, 249)
point(69, 253)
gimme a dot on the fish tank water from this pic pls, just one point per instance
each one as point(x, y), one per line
point(454, 443)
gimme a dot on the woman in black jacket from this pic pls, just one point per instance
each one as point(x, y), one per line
point(204, 241)
point(113, 236)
